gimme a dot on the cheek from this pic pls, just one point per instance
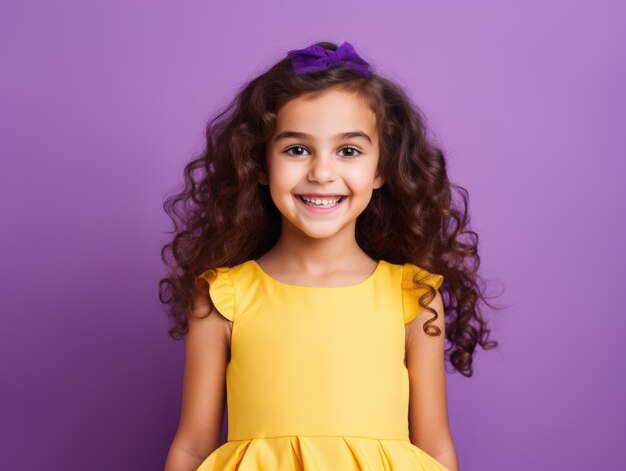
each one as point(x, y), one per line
point(362, 180)
point(283, 176)
point(282, 183)
point(279, 179)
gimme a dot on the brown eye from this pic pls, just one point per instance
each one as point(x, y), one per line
point(294, 147)
point(352, 150)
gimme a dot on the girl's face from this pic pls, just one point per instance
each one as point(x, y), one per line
point(324, 148)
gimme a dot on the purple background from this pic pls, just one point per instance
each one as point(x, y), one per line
point(102, 103)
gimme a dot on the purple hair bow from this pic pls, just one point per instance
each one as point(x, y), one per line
point(316, 58)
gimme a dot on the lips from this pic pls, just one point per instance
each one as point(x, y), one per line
point(324, 208)
point(317, 195)
point(340, 198)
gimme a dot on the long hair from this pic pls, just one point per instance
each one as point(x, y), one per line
point(223, 216)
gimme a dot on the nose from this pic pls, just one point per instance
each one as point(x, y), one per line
point(322, 168)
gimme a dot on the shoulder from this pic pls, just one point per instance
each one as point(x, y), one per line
point(413, 274)
point(419, 288)
point(220, 273)
point(220, 284)
point(207, 324)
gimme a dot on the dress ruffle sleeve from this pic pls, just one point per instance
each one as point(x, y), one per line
point(218, 283)
point(411, 293)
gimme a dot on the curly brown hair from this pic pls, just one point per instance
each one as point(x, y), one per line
point(224, 217)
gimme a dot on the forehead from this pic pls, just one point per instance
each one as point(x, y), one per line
point(327, 114)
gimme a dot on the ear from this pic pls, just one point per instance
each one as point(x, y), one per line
point(263, 180)
point(378, 181)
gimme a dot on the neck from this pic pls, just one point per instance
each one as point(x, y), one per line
point(301, 252)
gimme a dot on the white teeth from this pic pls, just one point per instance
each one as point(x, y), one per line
point(321, 202)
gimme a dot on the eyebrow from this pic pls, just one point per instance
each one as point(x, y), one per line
point(302, 135)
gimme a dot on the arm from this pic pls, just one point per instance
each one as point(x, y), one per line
point(206, 356)
point(428, 414)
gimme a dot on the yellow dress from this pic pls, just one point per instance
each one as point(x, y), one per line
point(317, 378)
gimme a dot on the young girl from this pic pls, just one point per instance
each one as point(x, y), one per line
point(314, 236)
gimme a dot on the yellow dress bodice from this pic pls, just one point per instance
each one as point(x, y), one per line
point(317, 378)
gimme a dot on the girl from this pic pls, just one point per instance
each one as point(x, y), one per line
point(314, 234)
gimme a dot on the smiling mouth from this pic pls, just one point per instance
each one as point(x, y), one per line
point(322, 202)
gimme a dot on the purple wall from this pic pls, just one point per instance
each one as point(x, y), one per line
point(101, 106)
